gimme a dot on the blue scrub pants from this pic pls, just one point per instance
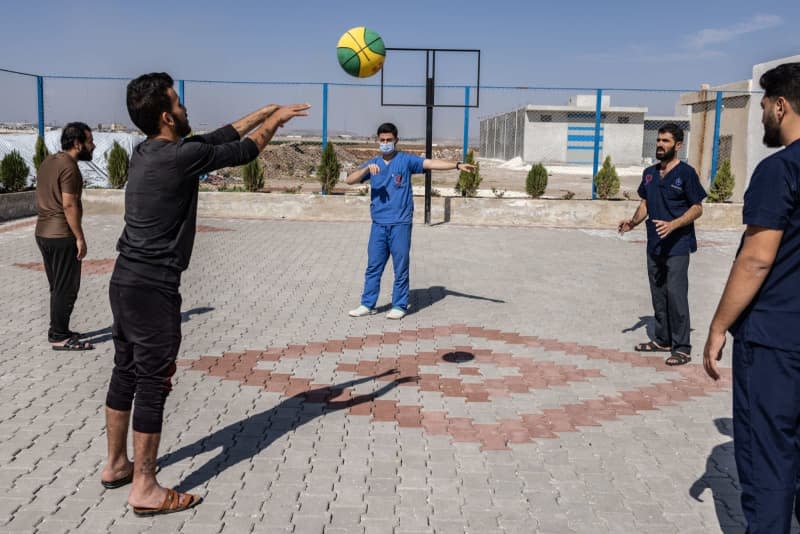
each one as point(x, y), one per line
point(766, 421)
point(386, 239)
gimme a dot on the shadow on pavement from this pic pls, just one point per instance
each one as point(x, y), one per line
point(244, 439)
point(721, 478)
point(104, 334)
point(647, 321)
point(419, 299)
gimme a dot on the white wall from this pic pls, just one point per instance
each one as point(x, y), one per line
point(756, 151)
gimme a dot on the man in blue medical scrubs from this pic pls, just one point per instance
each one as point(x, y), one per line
point(671, 200)
point(761, 308)
point(392, 210)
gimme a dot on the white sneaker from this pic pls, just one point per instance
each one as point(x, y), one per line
point(396, 313)
point(361, 311)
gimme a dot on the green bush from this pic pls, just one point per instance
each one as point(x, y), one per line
point(253, 176)
point(607, 181)
point(724, 182)
point(13, 172)
point(40, 152)
point(468, 182)
point(536, 182)
point(329, 168)
point(117, 159)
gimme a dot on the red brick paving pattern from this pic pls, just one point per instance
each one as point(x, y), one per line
point(204, 228)
point(531, 375)
point(15, 226)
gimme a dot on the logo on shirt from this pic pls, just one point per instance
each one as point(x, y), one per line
point(648, 178)
point(678, 182)
point(398, 179)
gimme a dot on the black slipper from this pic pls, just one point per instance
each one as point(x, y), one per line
point(678, 358)
point(114, 484)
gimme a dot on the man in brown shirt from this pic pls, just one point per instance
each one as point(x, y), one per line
point(58, 230)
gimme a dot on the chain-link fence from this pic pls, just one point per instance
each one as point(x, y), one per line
point(571, 130)
point(18, 107)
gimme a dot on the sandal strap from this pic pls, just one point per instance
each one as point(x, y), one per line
point(75, 342)
point(174, 500)
point(679, 358)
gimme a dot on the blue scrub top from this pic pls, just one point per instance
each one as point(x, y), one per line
point(772, 201)
point(668, 198)
point(392, 201)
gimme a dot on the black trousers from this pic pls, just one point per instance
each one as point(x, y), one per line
point(669, 289)
point(147, 336)
point(63, 270)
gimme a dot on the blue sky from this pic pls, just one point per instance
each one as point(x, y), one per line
point(587, 44)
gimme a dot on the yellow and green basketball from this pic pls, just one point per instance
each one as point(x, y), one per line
point(361, 52)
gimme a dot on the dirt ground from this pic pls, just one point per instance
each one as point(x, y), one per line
point(291, 168)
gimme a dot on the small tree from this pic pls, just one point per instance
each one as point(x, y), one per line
point(14, 172)
point(328, 172)
point(536, 182)
point(117, 159)
point(724, 182)
point(468, 182)
point(253, 176)
point(607, 181)
point(40, 152)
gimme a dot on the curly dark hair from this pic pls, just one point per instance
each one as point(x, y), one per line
point(783, 80)
point(74, 131)
point(147, 99)
point(674, 130)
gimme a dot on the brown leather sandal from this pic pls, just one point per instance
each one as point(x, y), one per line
point(173, 502)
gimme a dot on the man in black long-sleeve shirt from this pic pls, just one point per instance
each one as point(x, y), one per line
point(154, 249)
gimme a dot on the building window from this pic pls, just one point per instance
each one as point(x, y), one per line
point(623, 119)
point(546, 118)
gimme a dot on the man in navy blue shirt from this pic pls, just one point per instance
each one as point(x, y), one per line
point(672, 198)
point(761, 308)
point(392, 210)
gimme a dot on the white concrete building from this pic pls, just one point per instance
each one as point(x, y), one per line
point(566, 134)
point(740, 128)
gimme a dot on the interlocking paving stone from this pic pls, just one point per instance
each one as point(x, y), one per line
point(280, 415)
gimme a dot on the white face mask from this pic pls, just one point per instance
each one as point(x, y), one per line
point(386, 148)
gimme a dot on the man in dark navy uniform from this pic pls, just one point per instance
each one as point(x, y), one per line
point(761, 308)
point(671, 195)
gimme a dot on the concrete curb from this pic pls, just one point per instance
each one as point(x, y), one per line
point(17, 205)
point(454, 210)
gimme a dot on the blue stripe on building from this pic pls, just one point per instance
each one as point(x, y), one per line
point(589, 138)
point(580, 147)
point(582, 128)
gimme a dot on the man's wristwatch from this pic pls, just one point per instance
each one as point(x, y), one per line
point(458, 164)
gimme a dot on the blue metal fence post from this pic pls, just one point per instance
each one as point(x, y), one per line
point(596, 161)
point(465, 148)
point(715, 145)
point(40, 103)
point(180, 92)
point(324, 115)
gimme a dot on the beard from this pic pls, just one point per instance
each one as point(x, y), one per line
point(666, 155)
point(772, 133)
point(182, 127)
point(84, 154)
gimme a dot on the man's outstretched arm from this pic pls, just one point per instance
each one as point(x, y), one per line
point(277, 118)
point(246, 124)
